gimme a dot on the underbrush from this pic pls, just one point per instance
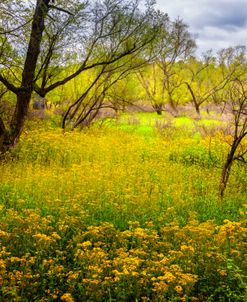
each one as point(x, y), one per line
point(120, 216)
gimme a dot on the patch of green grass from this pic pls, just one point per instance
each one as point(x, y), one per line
point(183, 121)
point(143, 130)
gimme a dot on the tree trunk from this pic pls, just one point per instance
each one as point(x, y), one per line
point(2, 132)
point(194, 101)
point(225, 175)
point(228, 164)
point(198, 112)
point(172, 104)
point(9, 137)
point(158, 108)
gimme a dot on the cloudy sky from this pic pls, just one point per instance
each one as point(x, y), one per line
point(216, 23)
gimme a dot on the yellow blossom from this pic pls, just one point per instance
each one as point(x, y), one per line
point(179, 289)
point(186, 248)
point(43, 237)
point(55, 236)
point(67, 297)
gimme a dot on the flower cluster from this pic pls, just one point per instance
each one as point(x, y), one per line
point(102, 261)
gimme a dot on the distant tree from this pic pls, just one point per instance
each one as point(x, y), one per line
point(232, 60)
point(41, 37)
point(151, 80)
point(174, 44)
point(207, 77)
point(202, 80)
point(177, 45)
point(231, 64)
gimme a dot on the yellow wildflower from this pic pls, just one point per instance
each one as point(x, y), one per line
point(85, 244)
point(67, 297)
point(222, 272)
point(72, 276)
point(186, 248)
point(55, 235)
point(42, 237)
point(179, 289)
point(3, 234)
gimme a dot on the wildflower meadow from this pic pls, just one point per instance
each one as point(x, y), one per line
point(121, 213)
point(123, 151)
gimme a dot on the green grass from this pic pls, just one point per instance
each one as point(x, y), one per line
point(147, 123)
point(183, 122)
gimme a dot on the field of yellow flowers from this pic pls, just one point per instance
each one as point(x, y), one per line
point(110, 214)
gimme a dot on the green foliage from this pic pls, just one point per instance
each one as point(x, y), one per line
point(197, 155)
point(232, 287)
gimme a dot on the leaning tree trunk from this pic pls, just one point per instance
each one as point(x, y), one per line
point(194, 101)
point(9, 137)
point(225, 175)
point(228, 164)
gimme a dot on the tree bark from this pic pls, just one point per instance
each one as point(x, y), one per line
point(195, 103)
point(198, 112)
point(158, 108)
point(228, 164)
point(225, 175)
point(9, 138)
point(2, 131)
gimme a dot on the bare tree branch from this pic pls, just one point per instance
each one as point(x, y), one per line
point(10, 31)
point(60, 9)
point(8, 85)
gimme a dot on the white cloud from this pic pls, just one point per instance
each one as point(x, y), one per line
point(216, 23)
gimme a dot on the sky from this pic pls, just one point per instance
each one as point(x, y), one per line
point(216, 24)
